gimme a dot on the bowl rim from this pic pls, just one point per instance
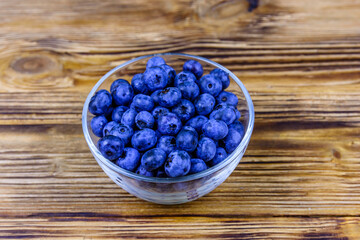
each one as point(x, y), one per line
point(239, 149)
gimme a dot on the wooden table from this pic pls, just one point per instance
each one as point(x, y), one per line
point(300, 60)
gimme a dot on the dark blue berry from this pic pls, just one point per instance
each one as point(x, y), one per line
point(228, 98)
point(187, 139)
point(167, 143)
point(154, 62)
point(219, 156)
point(155, 96)
point(222, 76)
point(226, 114)
point(209, 84)
point(161, 173)
point(107, 128)
point(204, 104)
point(123, 94)
point(194, 67)
point(153, 159)
point(142, 171)
point(128, 118)
point(232, 140)
point(144, 139)
point(111, 147)
point(197, 165)
point(100, 103)
point(124, 132)
point(155, 78)
point(184, 110)
point(117, 113)
point(158, 111)
point(177, 164)
point(170, 73)
point(206, 149)
point(97, 125)
point(129, 159)
point(215, 129)
point(197, 122)
point(116, 83)
point(238, 126)
point(182, 77)
point(144, 119)
point(189, 90)
point(139, 85)
point(169, 97)
point(143, 102)
point(169, 124)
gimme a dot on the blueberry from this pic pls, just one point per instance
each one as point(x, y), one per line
point(124, 132)
point(215, 129)
point(154, 62)
point(107, 128)
point(116, 83)
point(153, 159)
point(177, 163)
point(182, 77)
point(169, 97)
point(206, 149)
point(169, 124)
point(189, 90)
point(139, 85)
point(111, 147)
point(144, 139)
point(100, 103)
point(158, 134)
point(97, 125)
point(167, 143)
point(197, 165)
point(123, 94)
point(187, 139)
point(219, 156)
point(142, 171)
point(117, 113)
point(221, 106)
point(194, 67)
point(155, 96)
point(232, 140)
point(161, 173)
point(170, 73)
point(184, 110)
point(144, 119)
point(226, 114)
point(209, 84)
point(143, 102)
point(158, 111)
point(155, 78)
point(128, 118)
point(238, 126)
point(228, 98)
point(197, 122)
point(204, 104)
point(129, 159)
point(222, 76)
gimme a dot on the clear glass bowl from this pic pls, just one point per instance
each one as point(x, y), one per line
point(170, 190)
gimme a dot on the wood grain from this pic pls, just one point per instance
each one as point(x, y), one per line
point(300, 61)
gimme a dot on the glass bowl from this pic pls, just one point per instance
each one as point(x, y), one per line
point(170, 190)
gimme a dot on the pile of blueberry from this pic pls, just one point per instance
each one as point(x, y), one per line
point(166, 124)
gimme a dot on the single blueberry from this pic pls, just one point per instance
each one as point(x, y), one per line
point(155, 78)
point(226, 114)
point(238, 126)
point(197, 122)
point(215, 129)
point(169, 97)
point(107, 128)
point(143, 102)
point(144, 119)
point(182, 77)
point(204, 104)
point(184, 110)
point(221, 106)
point(170, 73)
point(187, 139)
point(124, 132)
point(167, 143)
point(97, 125)
point(123, 94)
point(111, 147)
point(161, 173)
point(153, 159)
point(155, 96)
point(189, 90)
point(139, 85)
point(116, 83)
point(129, 159)
point(197, 165)
point(228, 98)
point(222, 76)
point(232, 140)
point(154, 62)
point(177, 164)
point(144, 139)
point(206, 149)
point(158, 111)
point(117, 113)
point(209, 84)
point(128, 118)
point(219, 156)
point(194, 67)
point(142, 171)
point(100, 103)
point(169, 124)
